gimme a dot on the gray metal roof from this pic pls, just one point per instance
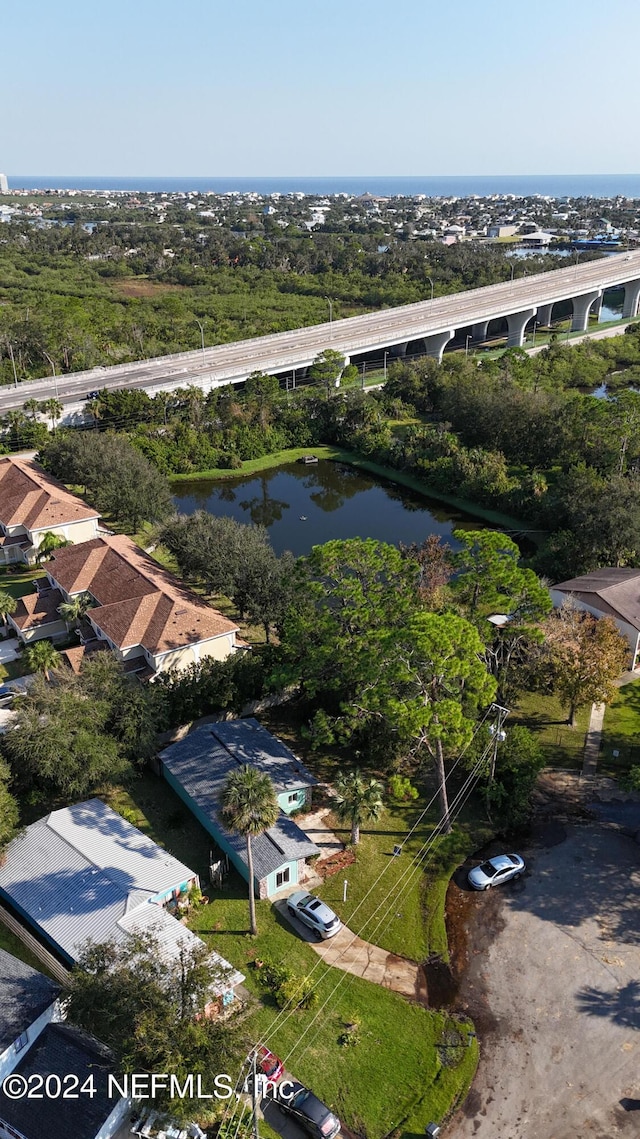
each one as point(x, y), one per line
point(172, 937)
point(201, 764)
point(66, 893)
point(24, 996)
point(249, 742)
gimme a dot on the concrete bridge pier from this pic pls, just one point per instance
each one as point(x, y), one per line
point(581, 306)
point(398, 349)
point(479, 332)
point(631, 298)
point(596, 307)
point(516, 324)
point(543, 319)
point(436, 344)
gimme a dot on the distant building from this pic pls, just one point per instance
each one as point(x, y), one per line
point(502, 230)
point(32, 503)
point(145, 615)
point(610, 592)
point(197, 768)
point(4, 185)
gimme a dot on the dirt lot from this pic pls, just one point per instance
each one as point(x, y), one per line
point(551, 975)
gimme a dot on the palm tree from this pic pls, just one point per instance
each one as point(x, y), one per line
point(32, 406)
point(49, 543)
point(8, 605)
point(359, 799)
point(54, 409)
point(41, 657)
point(250, 807)
point(75, 609)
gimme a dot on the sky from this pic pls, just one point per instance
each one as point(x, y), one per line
point(211, 88)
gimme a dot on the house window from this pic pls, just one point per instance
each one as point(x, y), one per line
point(294, 797)
point(21, 1042)
point(282, 877)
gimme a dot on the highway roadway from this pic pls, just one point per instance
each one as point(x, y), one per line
point(286, 351)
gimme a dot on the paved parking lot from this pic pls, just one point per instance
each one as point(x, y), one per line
point(553, 981)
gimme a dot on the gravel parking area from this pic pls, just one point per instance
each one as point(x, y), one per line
point(551, 975)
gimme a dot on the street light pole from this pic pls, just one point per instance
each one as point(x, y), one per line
point(330, 303)
point(466, 343)
point(431, 283)
point(13, 363)
point(535, 325)
point(384, 366)
point(55, 378)
point(199, 323)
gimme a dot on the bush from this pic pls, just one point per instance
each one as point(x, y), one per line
point(402, 789)
point(630, 781)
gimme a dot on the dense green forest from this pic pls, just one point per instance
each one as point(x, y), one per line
point(129, 290)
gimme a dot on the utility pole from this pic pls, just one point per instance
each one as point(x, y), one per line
point(254, 1093)
point(13, 363)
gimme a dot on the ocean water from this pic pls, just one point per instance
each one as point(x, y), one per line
point(523, 185)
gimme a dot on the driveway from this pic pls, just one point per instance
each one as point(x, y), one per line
point(9, 650)
point(350, 953)
point(552, 979)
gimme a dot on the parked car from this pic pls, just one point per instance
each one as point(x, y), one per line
point(501, 868)
point(314, 913)
point(310, 1112)
point(7, 695)
point(269, 1064)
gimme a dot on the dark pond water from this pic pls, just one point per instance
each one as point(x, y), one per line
point(303, 506)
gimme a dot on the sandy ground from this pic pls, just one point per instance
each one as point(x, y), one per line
point(552, 979)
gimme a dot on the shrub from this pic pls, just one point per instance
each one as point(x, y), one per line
point(401, 788)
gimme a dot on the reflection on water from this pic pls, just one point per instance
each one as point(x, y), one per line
point(303, 506)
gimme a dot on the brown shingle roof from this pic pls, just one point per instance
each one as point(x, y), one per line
point(614, 591)
point(37, 609)
point(35, 500)
point(139, 602)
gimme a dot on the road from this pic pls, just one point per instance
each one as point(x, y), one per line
point(285, 351)
point(552, 972)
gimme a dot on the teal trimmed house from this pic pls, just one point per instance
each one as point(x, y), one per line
point(197, 768)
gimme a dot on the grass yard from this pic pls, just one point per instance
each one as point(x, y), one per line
point(12, 944)
point(19, 582)
point(393, 901)
point(547, 717)
point(395, 1077)
point(621, 731)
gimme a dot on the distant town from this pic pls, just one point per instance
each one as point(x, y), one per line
point(538, 221)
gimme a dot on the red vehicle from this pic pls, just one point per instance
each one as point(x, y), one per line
point(268, 1064)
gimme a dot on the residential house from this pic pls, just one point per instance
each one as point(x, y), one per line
point(610, 592)
point(33, 503)
point(84, 873)
point(29, 1002)
point(145, 615)
point(197, 768)
point(34, 1042)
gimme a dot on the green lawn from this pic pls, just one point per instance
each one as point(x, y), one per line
point(17, 583)
point(395, 1077)
point(621, 731)
point(390, 900)
point(547, 717)
point(12, 944)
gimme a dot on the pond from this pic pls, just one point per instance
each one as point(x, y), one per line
point(305, 506)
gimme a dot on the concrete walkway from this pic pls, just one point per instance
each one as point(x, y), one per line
point(350, 953)
point(315, 827)
point(594, 736)
point(594, 731)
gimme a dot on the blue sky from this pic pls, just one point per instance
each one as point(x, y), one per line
point(293, 87)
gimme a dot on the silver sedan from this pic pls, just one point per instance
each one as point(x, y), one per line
point(501, 868)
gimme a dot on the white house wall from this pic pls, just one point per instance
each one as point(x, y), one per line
point(627, 630)
point(10, 1058)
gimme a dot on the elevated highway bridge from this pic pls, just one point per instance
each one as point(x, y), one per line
point(435, 322)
